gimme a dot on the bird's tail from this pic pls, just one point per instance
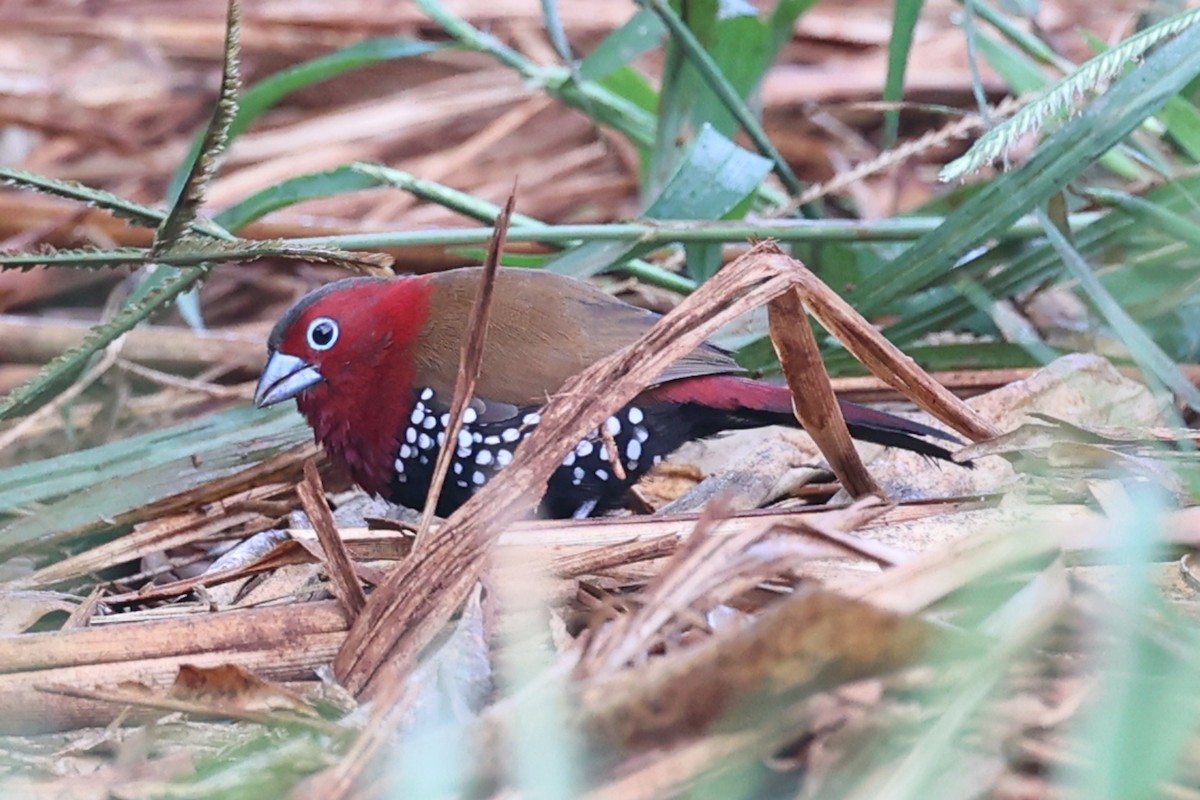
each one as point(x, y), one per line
point(752, 403)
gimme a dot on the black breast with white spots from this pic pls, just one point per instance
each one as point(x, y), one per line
point(636, 437)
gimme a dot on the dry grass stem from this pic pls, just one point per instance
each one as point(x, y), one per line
point(469, 364)
point(813, 401)
point(888, 362)
point(338, 566)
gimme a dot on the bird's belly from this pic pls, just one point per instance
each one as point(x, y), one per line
point(587, 481)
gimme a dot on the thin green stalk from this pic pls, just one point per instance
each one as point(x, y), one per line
point(487, 212)
point(900, 229)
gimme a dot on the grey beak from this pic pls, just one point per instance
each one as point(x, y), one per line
point(284, 377)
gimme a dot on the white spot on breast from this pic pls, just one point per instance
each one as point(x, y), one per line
point(410, 436)
point(405, 451)
point(612, 425)
point(633, 450)
point(603, 453)
point(445, 420)
point(584, 449)
point(461, 483)
point(427, 394)
point(470, 415)
point(634, 415)
point(400, 466)
point(464, 440)
point(458, 468)
point(577, 475)
point(424, 442)
point(569, 460)
point(510, 435)
point(483, 457)
point(492, 440)
point(532, 418)
point(418, 414)
point(430, 422)
point(478, 478)
point(656, 459)
point(504, 457)
point(641, 434)
point(441, 438)
point(602, 474)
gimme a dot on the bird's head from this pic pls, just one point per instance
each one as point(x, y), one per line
point(333, 339)
point(345, 353)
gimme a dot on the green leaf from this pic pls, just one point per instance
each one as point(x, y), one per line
point(689, 39)
point(633, 87)
point(680, 88)
point(1183, 124)
point(715, 176)
point(741, 51)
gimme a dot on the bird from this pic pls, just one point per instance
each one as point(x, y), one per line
point(372, 363)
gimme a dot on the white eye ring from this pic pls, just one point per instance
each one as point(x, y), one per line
point(322, 333)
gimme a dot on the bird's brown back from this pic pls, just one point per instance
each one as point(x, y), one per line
point(544, 329)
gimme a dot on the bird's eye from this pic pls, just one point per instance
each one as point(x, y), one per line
point(322, 333)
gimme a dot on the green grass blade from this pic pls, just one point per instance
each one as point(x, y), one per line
point(1149, 356)
point(59, 373)
point(783, 22)
point(266, 94)
point(905, 14)
point(1067, 153)
point(720, 85)
point(92, 490)
point(1066, 94)
point(295, 190)
point(642, 33)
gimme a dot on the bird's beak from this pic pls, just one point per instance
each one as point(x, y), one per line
point(284, 376)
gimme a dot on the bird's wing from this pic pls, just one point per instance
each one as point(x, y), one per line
point(545, 328)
